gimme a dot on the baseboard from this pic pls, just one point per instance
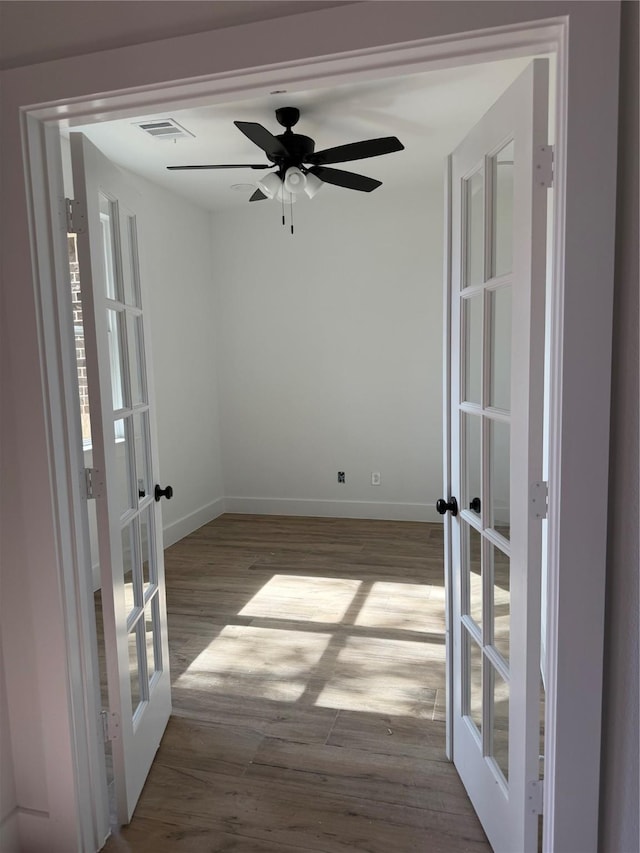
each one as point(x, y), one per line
point(28, 831)
point(388, 511)
point(9, 833)
point(183, 526)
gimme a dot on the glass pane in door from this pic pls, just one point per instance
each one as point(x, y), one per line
point(135, 645)
point(128, 558)
point(473, 679)
point(472, 457)
point(474, 229)
point(501, 605)
point(499, 466)
point(500, 717)
point(472, 342)
point(108, 210)
point(115, 322)
point(154, 654)
point(141, 449)
point(500, 348)
point(124, 464)
point(502, 213)
point(147, 540)
point(130, 275)
point(135, 351)
point(472, 572)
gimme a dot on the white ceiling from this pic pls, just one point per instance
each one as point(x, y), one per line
point(429, 112)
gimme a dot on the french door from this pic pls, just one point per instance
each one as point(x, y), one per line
point(123, 479)
point(499, 175)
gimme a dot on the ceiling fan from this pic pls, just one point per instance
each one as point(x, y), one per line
point(298, 166)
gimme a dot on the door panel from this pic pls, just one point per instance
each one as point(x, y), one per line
point(498, 222)
point(125, 455)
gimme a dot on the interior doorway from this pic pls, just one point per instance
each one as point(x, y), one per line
point(438, 419)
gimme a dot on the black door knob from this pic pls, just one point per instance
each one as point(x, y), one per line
point(475, 505)
point(163, 493)
point(443, 506)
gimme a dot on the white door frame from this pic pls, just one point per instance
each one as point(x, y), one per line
point(424, 36)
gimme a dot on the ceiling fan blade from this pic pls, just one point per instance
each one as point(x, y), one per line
point(357, 150)
point(261, 137)
point(258, 196)
point(349, 180)
point(225, 166)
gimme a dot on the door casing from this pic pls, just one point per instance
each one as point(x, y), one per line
point(571, 789)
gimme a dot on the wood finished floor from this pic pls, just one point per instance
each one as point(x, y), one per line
point(307, 662)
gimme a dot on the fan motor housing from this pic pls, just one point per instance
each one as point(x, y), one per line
point(298, 146)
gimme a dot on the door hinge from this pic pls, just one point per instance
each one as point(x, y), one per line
point(535, 792)
point(94, 483)
point(110, 725)
point(539, 499)
point(543, 167)
point(76, 217)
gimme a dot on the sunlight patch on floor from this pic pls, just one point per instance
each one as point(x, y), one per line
point(338, 666)
point(312, 599)
point(385, 677)
point(258, 662)
point(403, 606)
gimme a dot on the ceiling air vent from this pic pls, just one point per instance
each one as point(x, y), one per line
point(165, 128)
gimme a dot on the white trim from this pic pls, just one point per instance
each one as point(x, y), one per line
point(134, 749)
point(202, 87)
point(67, 468)
point(182, 527)
point(446, 448)
point(580, 358)
point(389, 511)
point(580, 355)
point(519, 114)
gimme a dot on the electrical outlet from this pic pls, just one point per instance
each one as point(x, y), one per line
point(375, 478)
point(341, 478)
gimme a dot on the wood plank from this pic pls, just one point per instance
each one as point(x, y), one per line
point(369, 775)
point(302, 816)
point(389, 735)
point(286, 720)
point(199, 745)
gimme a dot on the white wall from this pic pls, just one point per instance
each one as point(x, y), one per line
point(183, 313)
point(331, 353)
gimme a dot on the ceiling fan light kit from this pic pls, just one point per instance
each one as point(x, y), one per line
point(270, 184)
point(294, 180)
point(313, 185)
point(299, 167)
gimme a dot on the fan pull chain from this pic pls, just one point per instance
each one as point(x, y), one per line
point(283, 220)
point(291, 212)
